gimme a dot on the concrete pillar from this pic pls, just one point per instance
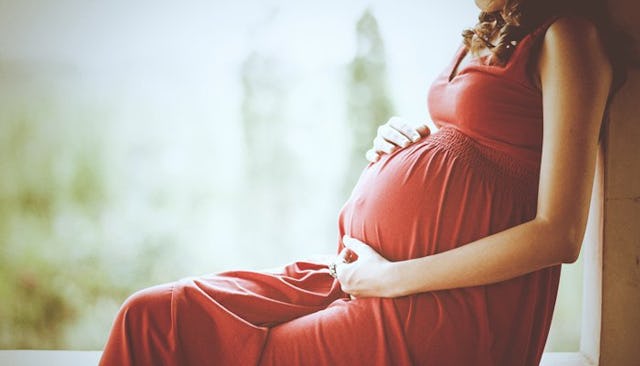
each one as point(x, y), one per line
point(620, 326)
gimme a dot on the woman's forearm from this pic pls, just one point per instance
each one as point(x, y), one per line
point(516, 251)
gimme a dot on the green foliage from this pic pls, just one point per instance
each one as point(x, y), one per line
point(266, 191)
point(368, 101)
point(52, 192)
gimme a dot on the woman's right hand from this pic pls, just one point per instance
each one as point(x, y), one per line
point(395, 134)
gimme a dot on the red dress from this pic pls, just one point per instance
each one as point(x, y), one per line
point(476, 176)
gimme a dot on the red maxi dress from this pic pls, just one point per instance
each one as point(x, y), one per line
point(477, 175)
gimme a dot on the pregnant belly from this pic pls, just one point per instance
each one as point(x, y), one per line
point(437, 194)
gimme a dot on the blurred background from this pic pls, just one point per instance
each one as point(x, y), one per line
point(144, 141)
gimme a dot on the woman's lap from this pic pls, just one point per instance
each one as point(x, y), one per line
point(268, 319)
point(356, 332)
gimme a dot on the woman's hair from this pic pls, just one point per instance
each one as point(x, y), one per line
point(520, 17)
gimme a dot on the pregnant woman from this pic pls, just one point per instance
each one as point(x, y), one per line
point(451, 242)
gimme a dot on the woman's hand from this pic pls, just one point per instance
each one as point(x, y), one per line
point(361, 271)
point(396, 133)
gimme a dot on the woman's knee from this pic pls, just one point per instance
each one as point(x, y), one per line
point(147, 302)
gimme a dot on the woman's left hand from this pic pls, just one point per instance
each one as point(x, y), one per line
point(361, 271)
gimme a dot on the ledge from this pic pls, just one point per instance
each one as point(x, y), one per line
point(90, 358)
point(49, 358)
point(565, 359)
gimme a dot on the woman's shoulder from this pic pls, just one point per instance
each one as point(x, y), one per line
point(573, 37)
point(573, 56)
point(572, 30)
point(571, 43)
point(597, 36)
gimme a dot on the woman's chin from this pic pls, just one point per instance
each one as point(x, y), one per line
point(490, 6)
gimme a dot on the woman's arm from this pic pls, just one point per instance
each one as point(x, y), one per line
point(575, 76)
